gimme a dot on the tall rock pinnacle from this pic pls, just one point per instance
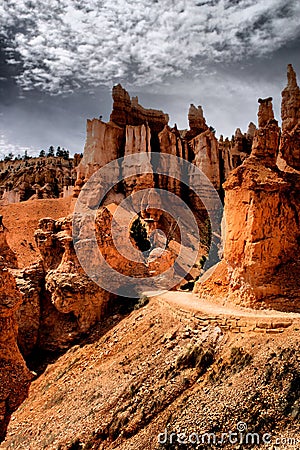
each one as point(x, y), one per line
point(290, 114)
point(266, 138)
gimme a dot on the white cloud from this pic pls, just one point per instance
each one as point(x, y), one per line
point(62, 42)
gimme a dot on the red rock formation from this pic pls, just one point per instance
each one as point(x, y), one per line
point(197, 122)
point(262, 233)
point(290, 113)
point(170, 142)
point(133, 129)
point(71, 302)
point(206, 151)
point(138, 139)
point(128, 111)
point(14, 375)
point(103, 144)
point(266, 139)
point(233, 152)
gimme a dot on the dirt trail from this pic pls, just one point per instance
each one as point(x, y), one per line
point(190, 302)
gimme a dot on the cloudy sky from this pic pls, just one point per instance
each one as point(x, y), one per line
point(60, 58)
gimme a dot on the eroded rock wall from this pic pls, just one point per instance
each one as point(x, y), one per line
point(14, 375)
point(103, 144)
point(71, 302)
point(133, 129)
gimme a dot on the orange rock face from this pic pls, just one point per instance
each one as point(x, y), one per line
point(7, 254)
point(262, 232)
point(14, 375)
point(102, 145)
point(71, 302)
point(266, 138)
point(206, 150)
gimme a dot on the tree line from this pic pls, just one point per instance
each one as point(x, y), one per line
point(60, 152)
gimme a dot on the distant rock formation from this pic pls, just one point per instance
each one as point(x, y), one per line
point(134, 129)
point(233, 152)
point(37, 178)
point(197, 122)
point(290, 112)
point(266, 138)
point(127, 111)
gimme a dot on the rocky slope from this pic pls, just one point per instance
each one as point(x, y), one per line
point(163, 368)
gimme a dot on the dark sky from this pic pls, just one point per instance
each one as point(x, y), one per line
point(60, 58)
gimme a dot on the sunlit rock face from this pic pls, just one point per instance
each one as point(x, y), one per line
point(262, 233)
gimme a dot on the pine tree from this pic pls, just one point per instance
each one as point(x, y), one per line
point(139, 234)
point(50, 151)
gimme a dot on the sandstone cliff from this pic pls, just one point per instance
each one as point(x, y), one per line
point(103, 144)
point(133, 129)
